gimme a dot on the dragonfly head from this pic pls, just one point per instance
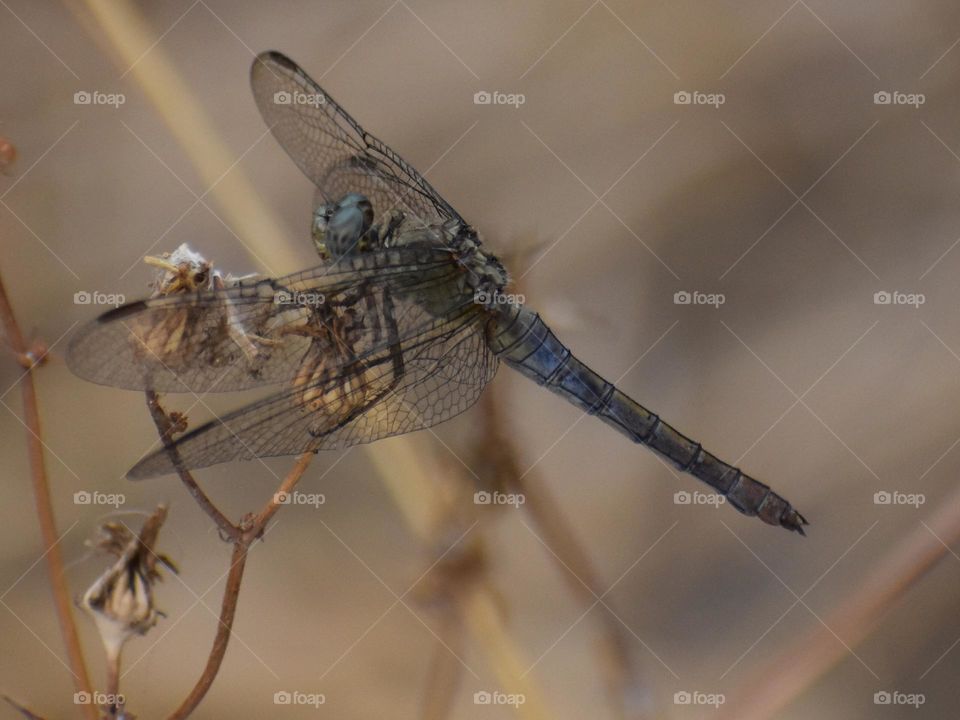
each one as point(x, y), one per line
point(339, 228)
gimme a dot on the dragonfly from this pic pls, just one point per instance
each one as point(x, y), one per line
point(400, 327)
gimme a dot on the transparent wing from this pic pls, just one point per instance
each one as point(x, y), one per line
point(259, 332)
point(333, 150)
point(405, 386)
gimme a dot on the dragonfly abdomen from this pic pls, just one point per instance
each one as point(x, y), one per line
point(521, 338)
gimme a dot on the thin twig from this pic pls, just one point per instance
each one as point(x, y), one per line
point(619, 663)
point(242, 535)
point(497, 459)
point(228, 610)
point(249, 531)
point(496, 446)
point(770, 687)
point(30, 359)
point(443, 677)
point(286, 487)
point(166, 428)
point(425, 499)
point(113, 681)
point(133, 43)
point(25, 711)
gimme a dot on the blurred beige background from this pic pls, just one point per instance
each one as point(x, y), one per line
point(703, 199)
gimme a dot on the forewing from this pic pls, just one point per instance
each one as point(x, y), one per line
point(426, 379)
point(333, 150)
point(254, 333)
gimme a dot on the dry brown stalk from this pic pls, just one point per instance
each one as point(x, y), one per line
point(30, 358)
point(767, 690)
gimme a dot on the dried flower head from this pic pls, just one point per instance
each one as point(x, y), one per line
point(182, 270)
point(186, 270)
point(121, 599)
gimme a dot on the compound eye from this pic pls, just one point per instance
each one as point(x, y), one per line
point(321, 216)
point(200, 278)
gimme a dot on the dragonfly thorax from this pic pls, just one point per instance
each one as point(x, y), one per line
point(485, 275)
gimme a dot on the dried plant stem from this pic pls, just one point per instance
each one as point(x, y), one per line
point(25, 711)
point(289, 483)
point(497, 447)
point(242, 535)
point(443, 677)
point(424, 504)
point(113, 678)
point(166, 427)
point(228, 610)
point(767, 690)
point(135, 42)
point(249, 531)
point(30, 359)
point(619, 666)
point(482, 611)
